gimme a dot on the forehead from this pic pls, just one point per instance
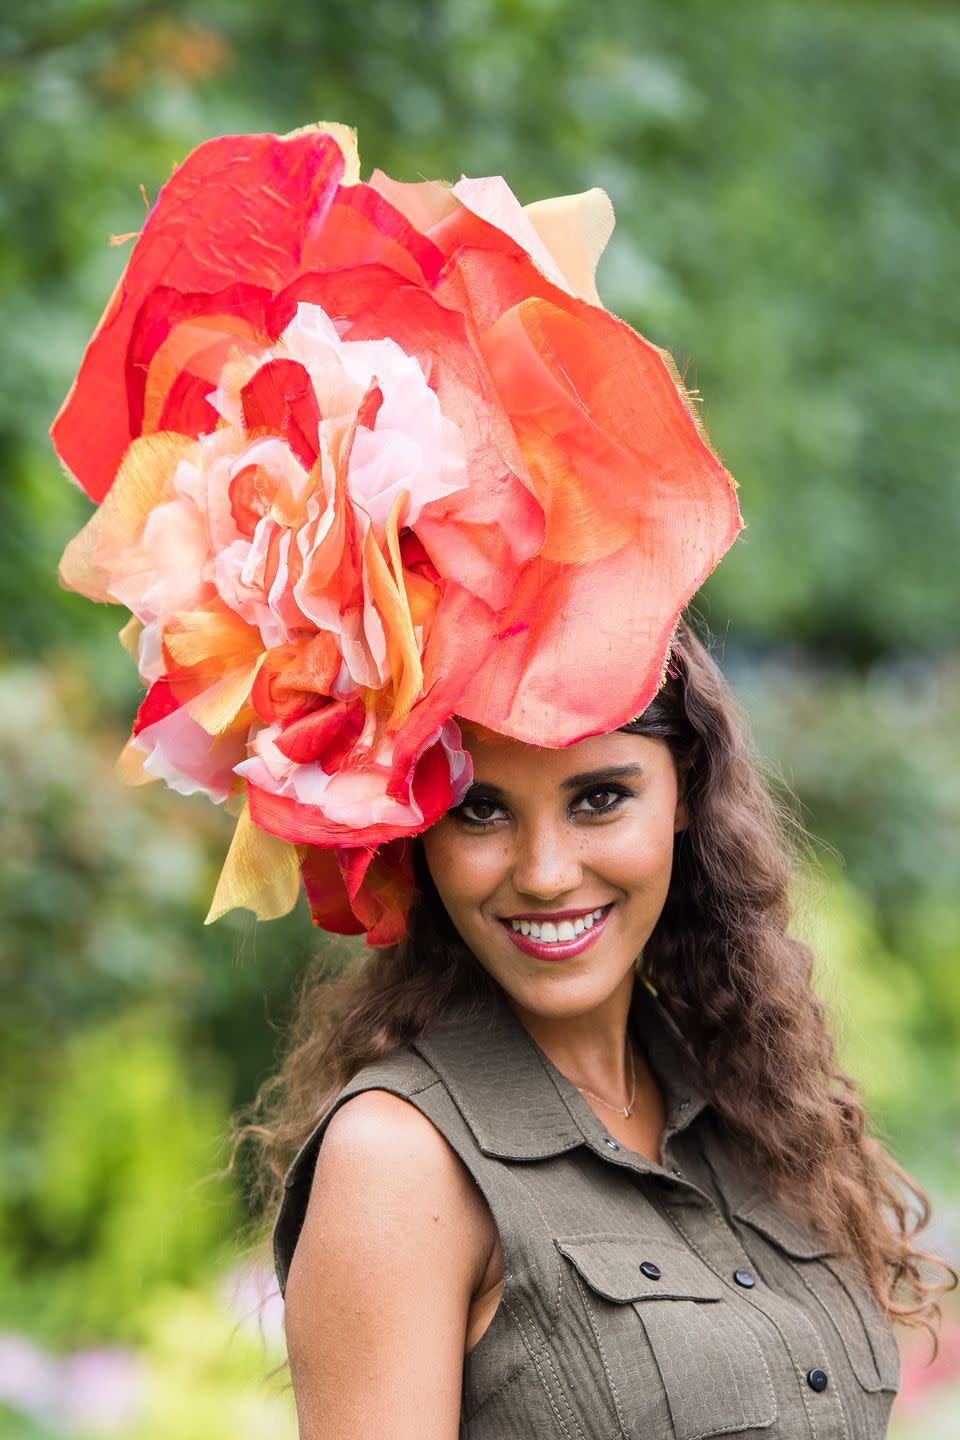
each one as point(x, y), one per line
point(511, 764)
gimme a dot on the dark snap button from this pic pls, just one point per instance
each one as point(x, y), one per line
point(611, 1144)
point(746, 1278)
point(675, 1171)
point(651, 1271)
point(817, 1379)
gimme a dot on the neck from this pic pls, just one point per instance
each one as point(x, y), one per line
point(589, 1047)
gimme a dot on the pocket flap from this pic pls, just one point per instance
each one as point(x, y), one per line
point(786, 1231)
point(611, 1266)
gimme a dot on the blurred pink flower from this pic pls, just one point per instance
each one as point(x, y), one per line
point(95, 1391)
point(921, 1383)
point(101, 1389)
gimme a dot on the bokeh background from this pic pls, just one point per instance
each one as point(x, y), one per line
point(785, 176)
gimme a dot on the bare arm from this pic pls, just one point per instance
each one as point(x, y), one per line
point(393, 1246)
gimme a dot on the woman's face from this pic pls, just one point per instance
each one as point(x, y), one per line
point(543, 841)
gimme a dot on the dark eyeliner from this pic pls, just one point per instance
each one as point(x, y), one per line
point(620, 793)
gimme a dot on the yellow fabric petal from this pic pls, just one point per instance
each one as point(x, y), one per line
point(143, 482)
point(193, 638)
point(261, 873)
point(217, 707)
point(129, 637)
point(575, 229)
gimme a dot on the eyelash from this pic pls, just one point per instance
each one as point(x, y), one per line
point(616, 790)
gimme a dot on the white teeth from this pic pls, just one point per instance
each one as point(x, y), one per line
point(550, 933)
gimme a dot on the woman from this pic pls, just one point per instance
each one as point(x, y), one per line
point(617, 1195)
point(407, 521)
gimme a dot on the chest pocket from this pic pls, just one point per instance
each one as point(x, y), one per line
point(681, 1361)
point(842, 1298)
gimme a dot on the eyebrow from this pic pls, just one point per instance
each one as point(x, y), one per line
point(579, 781)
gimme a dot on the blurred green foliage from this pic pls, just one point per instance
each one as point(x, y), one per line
point(786, 188)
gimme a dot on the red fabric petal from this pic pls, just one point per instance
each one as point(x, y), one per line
point(326, 893)
point(280, 397)
point(431, 782)
point(363, 228)
point(323, 737)
point(235, 212)
point(186, 408)
point(355, 890)
point(158, 702)
point(381, 889)
point(200, 329)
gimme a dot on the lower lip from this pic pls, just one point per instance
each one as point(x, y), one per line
point(559, 950)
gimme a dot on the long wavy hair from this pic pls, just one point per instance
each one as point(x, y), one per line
point(723, 965)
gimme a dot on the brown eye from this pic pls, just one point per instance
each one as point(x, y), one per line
point(478, 812)
point(601, 800)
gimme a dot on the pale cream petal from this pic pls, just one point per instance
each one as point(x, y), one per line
point(575, 229)
point(130, 765)
point(346, 138)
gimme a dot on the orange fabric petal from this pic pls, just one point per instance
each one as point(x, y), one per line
point(196, 350)
point(390, 597)
point(613, 451)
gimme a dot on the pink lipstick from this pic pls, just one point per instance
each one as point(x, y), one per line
point(557, 949)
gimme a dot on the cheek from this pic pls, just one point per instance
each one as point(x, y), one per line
point(464, 868)
point(639, 856)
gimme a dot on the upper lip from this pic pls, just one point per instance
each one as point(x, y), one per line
point(558, 914)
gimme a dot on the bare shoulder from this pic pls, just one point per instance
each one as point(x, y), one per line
point(394, 1243)
point(383, 1146)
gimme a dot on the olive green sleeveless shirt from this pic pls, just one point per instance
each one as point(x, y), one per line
point(655, 1302)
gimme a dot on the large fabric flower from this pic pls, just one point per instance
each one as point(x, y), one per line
point(369, 457)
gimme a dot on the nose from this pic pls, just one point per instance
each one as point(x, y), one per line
point(546, 862)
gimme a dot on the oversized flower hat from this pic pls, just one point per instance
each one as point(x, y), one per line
point(370, 457)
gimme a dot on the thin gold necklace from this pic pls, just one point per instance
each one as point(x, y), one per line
point(623, 1110)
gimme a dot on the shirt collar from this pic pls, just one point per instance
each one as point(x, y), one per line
point(518, 1105)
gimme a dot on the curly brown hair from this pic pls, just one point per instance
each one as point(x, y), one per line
point(723, 965)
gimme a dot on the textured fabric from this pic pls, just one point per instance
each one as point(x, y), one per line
point(585, 1344)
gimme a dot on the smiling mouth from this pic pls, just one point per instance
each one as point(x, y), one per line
point(557, 932)
point(557, 940)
